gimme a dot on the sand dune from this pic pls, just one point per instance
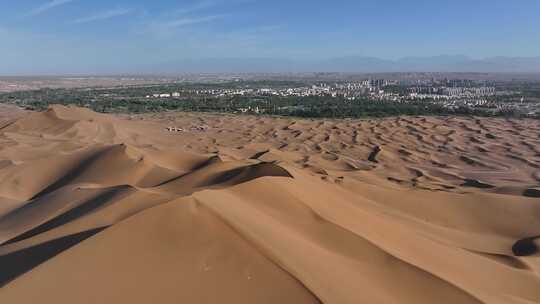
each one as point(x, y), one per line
point(99, 208)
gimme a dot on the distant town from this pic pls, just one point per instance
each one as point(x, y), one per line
point(310, 95)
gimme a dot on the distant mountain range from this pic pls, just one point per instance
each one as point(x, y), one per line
point(352, 64)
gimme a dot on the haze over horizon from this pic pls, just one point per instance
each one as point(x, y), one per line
point(94, 37)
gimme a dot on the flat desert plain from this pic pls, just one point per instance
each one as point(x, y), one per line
point(201, 208)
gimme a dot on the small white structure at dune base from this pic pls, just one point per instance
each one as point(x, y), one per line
point(174, 129)
point(202, 128)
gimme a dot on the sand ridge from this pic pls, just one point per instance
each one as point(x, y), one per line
point(98, 208)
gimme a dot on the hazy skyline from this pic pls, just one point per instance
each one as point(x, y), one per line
point(83, 36)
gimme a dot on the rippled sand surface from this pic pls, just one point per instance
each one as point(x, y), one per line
point(98, 208)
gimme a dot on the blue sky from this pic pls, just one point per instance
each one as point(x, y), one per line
point(74, 36)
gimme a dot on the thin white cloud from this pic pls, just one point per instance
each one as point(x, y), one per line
point(190, 21)
point(208, 5)
point(198, 13)
point(165, 29)
point(46, 6)
point(112, 13)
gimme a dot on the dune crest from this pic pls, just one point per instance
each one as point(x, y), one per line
point(97, 208)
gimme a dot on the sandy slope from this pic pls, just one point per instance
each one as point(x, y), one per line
point(103, 209)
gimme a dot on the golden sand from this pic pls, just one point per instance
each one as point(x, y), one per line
point(98, 208)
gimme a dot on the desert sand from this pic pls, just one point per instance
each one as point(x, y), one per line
point(98, 208)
